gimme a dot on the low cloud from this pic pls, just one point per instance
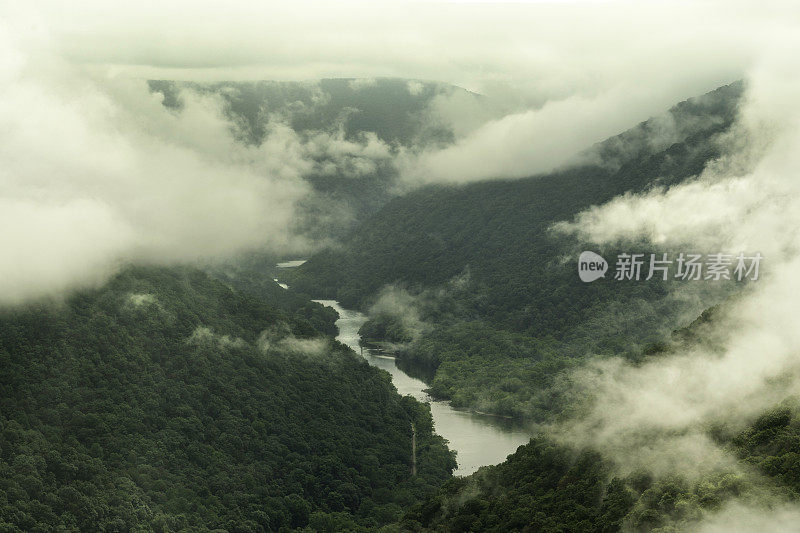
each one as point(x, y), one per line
point(205, 337)
point(95, 173)
point(751, 517)
point(397, 304)
point(140, 300)
point(657, 415)
point(279, 338)
point(534, 141)
point(547, 93)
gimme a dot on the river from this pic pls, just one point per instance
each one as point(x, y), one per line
point(480, 440)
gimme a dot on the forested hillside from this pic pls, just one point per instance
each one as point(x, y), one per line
point(497, 231)
point(549, 487)
point(252, 275)
point(496, 284)
point(166, 401)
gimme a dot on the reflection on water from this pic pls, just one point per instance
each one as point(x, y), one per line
point(291, 264)
point(479, 439)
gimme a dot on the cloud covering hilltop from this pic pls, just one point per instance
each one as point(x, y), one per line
point(95, 172)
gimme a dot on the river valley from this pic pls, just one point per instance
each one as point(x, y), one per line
point(478, 439)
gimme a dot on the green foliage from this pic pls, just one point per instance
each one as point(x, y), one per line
point(541, 487)
point(253, 275)
point(548, 487)
point(479, 366)
point(498, 237)
point(385, 327)
point(772, 445)
point(158, 402)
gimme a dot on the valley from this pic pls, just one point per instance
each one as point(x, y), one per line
point(399, 267)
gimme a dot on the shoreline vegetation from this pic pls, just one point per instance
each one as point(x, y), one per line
point(166, 400)
point(390, 350)
point(498, 325)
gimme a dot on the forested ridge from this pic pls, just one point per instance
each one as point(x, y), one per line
point(248, 275)
point(495, 283)
point(175, 399)
point(549, 487)
point(166, 401)
point(383, 106)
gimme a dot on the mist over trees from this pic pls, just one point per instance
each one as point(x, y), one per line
point(166, 401)
point(519, 317)
point(182, 184)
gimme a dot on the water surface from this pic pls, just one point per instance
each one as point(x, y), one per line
point(480, 440)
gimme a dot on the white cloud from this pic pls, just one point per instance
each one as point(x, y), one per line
point(534, 141)
point(95, 172)
point(751, 518)
point(205, 336)
point(657, 414)
point(557, 76)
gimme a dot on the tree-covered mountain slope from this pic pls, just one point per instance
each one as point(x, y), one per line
point(394, 109)
point(550, 487)
point(498, 231)
point(253, 274)
point(496, 285)
point(165, 401)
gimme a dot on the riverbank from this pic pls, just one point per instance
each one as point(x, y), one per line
point(478, 439)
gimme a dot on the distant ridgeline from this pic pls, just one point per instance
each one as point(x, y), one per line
point(391, 108)
point(166, 401)
point(498, 288)
point(388, 111)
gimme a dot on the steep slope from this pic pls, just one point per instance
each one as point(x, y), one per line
point(253, 274)
point(549, 487)
point(165, 401)
point(499, 229)
point(487, 256)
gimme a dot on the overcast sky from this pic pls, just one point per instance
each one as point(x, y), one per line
point(94, 172)
point(555, 46)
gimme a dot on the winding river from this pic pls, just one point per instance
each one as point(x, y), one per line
point(480, 440)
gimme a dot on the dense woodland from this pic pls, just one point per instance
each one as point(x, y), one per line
point(249, 275)
point(177, 399)
point(552, 487)
point(549, 487)
point(166, 401)
point(510, 312)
